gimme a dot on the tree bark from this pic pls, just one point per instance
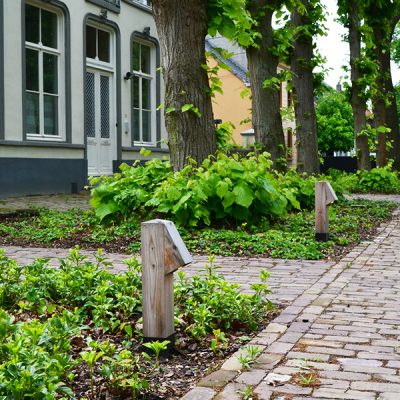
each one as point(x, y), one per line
point(358, 102)
point(182, 28)
point(262, 64)
point(384, 101)
point(378, 100)
point(303, 94)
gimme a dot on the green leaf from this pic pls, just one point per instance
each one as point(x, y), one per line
point(229, 199)
point(181, 202)
point(243, 195)
point(292, 198)
point(222, 189)
point(187, 107)
point(105, 209)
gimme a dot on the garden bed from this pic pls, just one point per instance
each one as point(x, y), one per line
point(75, 331)
point(290, 236)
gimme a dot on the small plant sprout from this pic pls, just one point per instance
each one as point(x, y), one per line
point(91, 357)
point(249, 358)
point(157, 347)
point(306, 379)
point(247, 393)
point(219, 342)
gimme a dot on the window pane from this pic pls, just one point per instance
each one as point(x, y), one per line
point(90, 42)
point(145, 59)
point(146, 94)
point(105, 106)
point(90, 104)
point(136, 125)
point(103, 45)
point(32, 70)
point(31, 24)
point(135, 88)
point(146, 126)
point(32, 113)
point(50, 73)
point(136, 56)
point(49, 29)
point(50, 115)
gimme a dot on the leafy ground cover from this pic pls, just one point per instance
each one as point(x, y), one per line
point(289, 236)
point(377, 180)
point(74, 331)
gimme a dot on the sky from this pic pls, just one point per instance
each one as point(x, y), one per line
point(336, 51)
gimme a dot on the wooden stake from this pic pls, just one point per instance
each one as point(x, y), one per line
point(324, 196)
point(163, 252)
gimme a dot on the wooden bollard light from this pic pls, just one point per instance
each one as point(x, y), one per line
point(163, 252)
point(324, 196)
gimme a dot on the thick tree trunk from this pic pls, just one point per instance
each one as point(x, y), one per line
point(182, 28)
point(358, 102)
point(303, 95)
point(378, 100)
point(384, 102)
point(392, 120)
point(262, 63)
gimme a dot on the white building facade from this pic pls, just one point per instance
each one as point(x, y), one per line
point(79, 91)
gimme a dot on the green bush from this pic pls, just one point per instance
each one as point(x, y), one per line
point(209, 302)
point(381, 180)
point(128, 190)
point(224, 188)
point(230, 188)
point(377, 180)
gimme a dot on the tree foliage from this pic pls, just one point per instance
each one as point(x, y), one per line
point(334, 122)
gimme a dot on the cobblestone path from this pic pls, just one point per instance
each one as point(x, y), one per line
point(344, 330)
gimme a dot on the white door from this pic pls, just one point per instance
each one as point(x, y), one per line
point(100, 124)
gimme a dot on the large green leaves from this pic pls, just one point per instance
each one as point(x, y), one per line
point(228, 188)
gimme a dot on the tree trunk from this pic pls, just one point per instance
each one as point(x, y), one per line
point(384, 101)
point(303, 95)
point(392, 119)
point(262, 64)
point(378, 100)
point(182, 28)
point(358, 102)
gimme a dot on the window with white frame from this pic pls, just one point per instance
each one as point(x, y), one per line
point(143, 93)
point(44, 60)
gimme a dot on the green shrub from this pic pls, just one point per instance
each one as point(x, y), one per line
point(128, 190)
point(209, 302)
point(231, 188)
point(377, 180)
point(381, 180)
point(224, 188)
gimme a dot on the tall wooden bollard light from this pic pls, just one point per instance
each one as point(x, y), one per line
point(324, 196)
point(163, 252)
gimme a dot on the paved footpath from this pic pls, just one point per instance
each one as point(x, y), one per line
point(344, 329)
point(341, 324)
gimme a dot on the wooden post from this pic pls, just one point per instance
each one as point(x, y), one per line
point(324, 196)
point(163, 252)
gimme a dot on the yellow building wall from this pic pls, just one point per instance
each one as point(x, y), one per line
point(230, 106)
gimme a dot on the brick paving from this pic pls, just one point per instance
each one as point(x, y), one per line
point(60, 202)
point(341, 323)
point(344, 329)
